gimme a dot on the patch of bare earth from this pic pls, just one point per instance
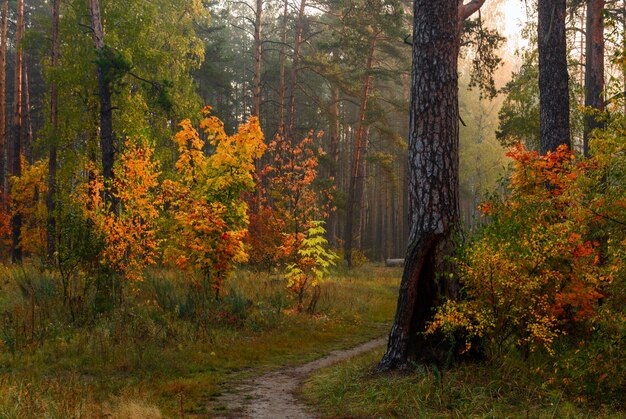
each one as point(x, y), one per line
point(272, 395)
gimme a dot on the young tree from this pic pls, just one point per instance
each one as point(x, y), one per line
point(433, 176)
point(553, 76)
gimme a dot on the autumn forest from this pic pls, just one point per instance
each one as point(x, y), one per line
point(312, 208)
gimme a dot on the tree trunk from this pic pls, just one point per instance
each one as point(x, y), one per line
point(333, 151)
point(356, 184)
point(52, 150)
point(594, 67)
point(433, 179)
point(3, 109)
point(104, 92)
point(28, 132)
point(553, 77)
point(294, 71)
point(258, 22)
point(16, 218)
point(281, 71)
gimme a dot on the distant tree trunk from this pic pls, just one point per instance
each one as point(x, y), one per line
point(28, 132)
point(16, 219)
point(104, 92)
point(594, 67)
point(356, 183)
point(3, 98)
point(258, 50)
point(553, 77)
point(297, 45)
point(333, 151)
point(52, 150)
point(281, 71)
point(433, 178)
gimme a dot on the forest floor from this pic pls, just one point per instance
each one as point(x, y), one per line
point(273, 395)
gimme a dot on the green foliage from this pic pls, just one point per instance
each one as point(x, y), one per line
point(313, 260)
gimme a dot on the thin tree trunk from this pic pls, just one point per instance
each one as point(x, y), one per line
point(594, 67)
point(281, 72)
point(294, 70)
point(52, 150)
point(333, 151)
point(353, 206)
point(16, 219)
point(433, 178)
point(28, 132)
point(3, 97)
point(258, 22)
point(553, 77)
point(104, 92)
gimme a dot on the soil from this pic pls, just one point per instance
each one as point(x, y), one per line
point(272, 395)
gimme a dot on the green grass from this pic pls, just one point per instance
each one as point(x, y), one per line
point(511, 389)
point(144, 359)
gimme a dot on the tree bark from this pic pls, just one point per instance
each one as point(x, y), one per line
point(356, 183)
point(333, 151)
point(104, 93)
point(3, 97)
point(16, 218)
point(28, 132)
point(281, 71)
point(433, 180)
point(594, 67)
point(258, 50)
point(553, 76)
point(52, 150)
point(297, 45)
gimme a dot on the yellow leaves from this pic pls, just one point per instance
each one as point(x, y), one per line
point(130, 235)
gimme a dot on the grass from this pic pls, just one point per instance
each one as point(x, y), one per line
point(510, 389)
point(152, 356)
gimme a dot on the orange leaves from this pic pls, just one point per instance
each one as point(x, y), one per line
point(535, 269)
point(130, 235)
point(208, 216)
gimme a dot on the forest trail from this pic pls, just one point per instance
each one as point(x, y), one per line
point(271, 396)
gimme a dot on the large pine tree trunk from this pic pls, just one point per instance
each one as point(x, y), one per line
point(433, 178)
point(356, 183)
point(3, 97)
point(104, 93)
point(594, 66)
point(52, 150)
point(553, 76)
point(16, 218)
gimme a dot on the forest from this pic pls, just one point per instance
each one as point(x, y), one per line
point(299, 208)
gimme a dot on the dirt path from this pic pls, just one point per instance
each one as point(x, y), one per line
point(271, 396)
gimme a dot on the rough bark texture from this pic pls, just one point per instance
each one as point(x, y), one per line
point(104, 93)
point(52, 150)
point(433, 177)
point(553, 77)
point(356, 183)
point(258, 24)
point(594, 66)
point(3, 96)
point(16, 218)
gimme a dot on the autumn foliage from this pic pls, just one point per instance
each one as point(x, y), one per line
point(207, 213)
point(543, 263)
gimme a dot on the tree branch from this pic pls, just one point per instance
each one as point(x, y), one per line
point(466, 10)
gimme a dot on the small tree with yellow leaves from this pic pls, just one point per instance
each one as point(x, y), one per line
point(208, 213)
